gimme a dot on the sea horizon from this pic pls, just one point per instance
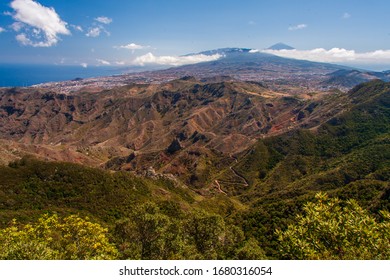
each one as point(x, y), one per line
point(25, 75)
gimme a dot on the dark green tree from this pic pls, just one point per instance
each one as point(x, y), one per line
point(149, 234)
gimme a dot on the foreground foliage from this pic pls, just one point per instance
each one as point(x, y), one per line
point(329, 228)
point(151, 234)
point(333, 229)
point(71, 238)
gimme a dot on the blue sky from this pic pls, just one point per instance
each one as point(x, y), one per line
point(129, 32)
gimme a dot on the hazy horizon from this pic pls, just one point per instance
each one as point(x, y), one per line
point(152, 32)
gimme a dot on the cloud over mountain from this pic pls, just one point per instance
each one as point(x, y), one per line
point(150, 58)
point(40, 25)
point(335, 55)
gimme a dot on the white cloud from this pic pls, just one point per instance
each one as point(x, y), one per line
point(104, 20)
point(17, 26)
point(44, 23)
point(346, 15)
point(149, 58)
point(336, 55)
point(297, 27)
point(132, 47)
point(103, 62)
point(97, 28)
point(96, 31)
point(84, 65)
point(22, 38)
point(120, 63)
point(77, 27)
point(93, 32)
point(2, 29)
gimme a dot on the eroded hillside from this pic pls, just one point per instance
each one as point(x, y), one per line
point(184, 127)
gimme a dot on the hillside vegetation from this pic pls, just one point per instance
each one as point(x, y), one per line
point(263, 189)
point(348, 157)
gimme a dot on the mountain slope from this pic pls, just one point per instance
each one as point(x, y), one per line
point(240, 64)
point(137, 116)
point(245, 64)
point(347, 157)
point(350, 78)
point(185, 127)
point(257, 190)
point(357, 138)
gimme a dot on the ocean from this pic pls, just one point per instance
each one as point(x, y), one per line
point(17, 75)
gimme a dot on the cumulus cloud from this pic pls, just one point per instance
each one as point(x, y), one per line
point(98, 28)
point(41, 25)
point(336, 55)
point(150, 58)
point(1, 29)
point(104, 20)
point(84, 65)
point(94, 32)
point(22, 39)
point(297, 27)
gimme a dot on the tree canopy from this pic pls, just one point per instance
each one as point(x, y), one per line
point(334, 229)
point(70, 238)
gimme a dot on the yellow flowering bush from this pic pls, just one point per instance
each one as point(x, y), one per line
point(335, 229)
point(70, 238)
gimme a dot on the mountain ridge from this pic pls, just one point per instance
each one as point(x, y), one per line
point(242, 64)
point(176, 127)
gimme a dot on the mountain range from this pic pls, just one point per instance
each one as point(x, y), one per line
point(174, 127)
point(241, 64)
point(250, 138)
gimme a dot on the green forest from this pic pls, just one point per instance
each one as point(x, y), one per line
point(322, 193)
